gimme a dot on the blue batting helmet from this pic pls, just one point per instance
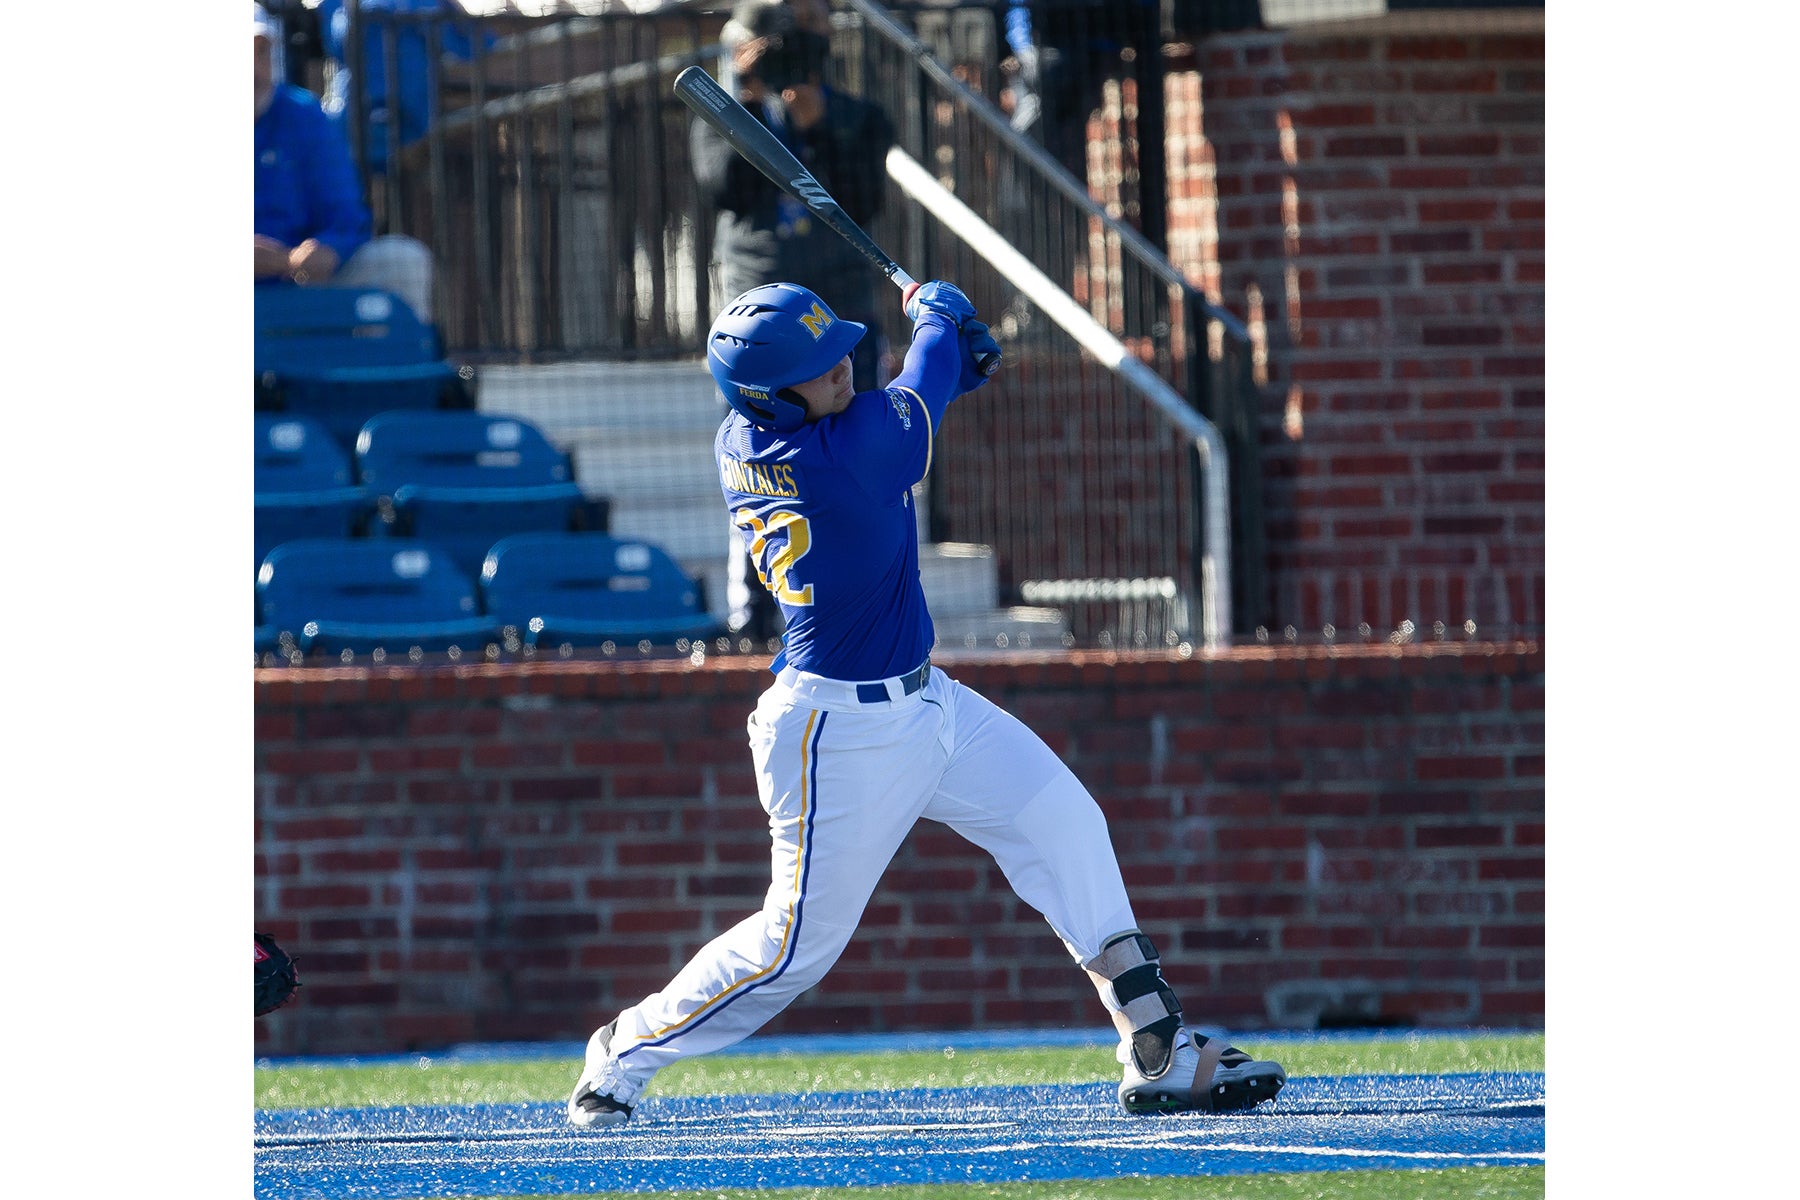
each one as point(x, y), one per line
point(769, 339)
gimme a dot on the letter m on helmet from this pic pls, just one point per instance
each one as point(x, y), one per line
point(817, 321)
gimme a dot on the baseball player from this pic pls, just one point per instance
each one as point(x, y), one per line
point(860, 736)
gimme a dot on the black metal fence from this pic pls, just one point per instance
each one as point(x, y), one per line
point(545, 161)
point(551, 179)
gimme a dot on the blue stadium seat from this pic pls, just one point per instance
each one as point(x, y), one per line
point(587, 588)
point(464, 480)
point(357, 594)
point(302, 484)
point(343, 354)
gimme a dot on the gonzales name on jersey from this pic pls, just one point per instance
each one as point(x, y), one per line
point(845, 571)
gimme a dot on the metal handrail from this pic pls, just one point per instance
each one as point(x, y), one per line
point(1059, 306)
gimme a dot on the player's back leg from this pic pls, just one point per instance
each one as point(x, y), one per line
point(841, 790)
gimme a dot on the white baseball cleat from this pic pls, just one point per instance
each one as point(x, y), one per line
point(602, 1096)
point(1202, 1075)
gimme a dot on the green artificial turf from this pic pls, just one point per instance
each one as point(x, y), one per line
point(428, 1081)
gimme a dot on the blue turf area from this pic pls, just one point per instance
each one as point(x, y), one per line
point(986, 1134)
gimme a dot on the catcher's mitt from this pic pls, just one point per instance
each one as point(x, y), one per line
point(275, 976)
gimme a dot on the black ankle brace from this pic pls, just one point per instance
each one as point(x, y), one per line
point(1131, 965)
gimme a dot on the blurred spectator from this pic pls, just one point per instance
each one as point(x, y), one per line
point(408, 104)
point(1063, 54)
point(779, 55)
point(1025, 69)
point(311, 224)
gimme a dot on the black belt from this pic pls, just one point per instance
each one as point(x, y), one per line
point(875, 693)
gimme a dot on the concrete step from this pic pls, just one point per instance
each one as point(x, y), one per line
point(1019, 628)
point(958, 578)
point(671, 466)
point(616, 396)
point(641, 434)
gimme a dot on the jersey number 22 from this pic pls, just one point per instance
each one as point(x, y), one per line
point(774, 557)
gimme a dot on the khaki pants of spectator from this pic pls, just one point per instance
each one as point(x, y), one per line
point(396, 264)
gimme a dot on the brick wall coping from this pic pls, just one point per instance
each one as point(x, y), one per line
point(748, 675)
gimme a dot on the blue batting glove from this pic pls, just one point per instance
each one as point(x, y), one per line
point(939, 297)
point(981, 356)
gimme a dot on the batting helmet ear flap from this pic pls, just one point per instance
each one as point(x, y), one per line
point(734, 362)
point(764, 412)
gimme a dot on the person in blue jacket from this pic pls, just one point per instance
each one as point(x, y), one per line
point(311, 225)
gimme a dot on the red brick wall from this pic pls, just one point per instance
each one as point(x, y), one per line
point(516, 852)
point(1373, 205)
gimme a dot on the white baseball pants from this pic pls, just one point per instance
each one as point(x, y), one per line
point(843, 780)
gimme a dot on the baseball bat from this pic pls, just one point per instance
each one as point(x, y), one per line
point(764, 151)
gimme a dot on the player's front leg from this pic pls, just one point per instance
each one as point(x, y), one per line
point(725, 992)
point(604, 1094)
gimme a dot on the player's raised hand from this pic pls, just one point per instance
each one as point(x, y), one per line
point(981, 356)
point(939, 297)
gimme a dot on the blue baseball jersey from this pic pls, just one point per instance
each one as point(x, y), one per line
point(826, 514)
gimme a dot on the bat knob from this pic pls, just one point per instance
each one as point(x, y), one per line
point(987, 364)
